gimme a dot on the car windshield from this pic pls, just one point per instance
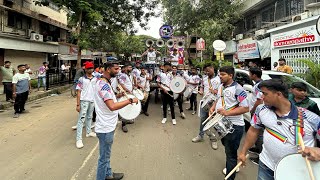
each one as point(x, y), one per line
point(312, 91)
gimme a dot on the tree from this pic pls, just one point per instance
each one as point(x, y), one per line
point(89, 15)
point(313, 74)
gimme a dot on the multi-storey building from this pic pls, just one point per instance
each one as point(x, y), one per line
point(33, 34)
point(273, 29)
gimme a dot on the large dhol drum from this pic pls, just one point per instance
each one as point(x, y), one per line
point(138, 93)
point(177, 85)
point(218, 125)
point(294, 167)
point(188, 92)
point(130, 111)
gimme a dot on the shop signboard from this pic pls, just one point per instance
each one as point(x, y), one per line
point(248, 49)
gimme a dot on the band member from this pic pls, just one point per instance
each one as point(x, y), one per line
point(126, 82)
point(151, 54)
point(180, 97)
point(193, 82)
point(143, 82)
point(312, 153)
point(232, 103)
point(255, 74)
point(136, 73)
point(85, 104)
point(107, 116)
point(209, 88)
point(174, 57)
point(163, 81)
point(282, 121)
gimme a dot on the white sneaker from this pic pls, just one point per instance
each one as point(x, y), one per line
point(92, 134)
point(174, 122)
point(214, 145)
point(93, 125)
point(164, 120)
point(79, 144)
point(197, 139)
point(183, 115)
point(74, 127)
point(193, 113)
point(224, 171)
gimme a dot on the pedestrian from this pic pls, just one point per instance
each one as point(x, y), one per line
point(63, 71)
point(42, 76)
point(232, 104)
point(28, 70)
point(283, 67)
point(282, 121)
point(107, 116)
point(193, 82)
point(21, 90)
point(85, 104)
point(143, 82)
point(7, 73)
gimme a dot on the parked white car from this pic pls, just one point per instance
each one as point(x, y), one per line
point(242, 77)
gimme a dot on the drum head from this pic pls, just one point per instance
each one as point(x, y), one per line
point(177, 85)
point(187, 93)
point(130, 111)
point(175, 96)
point(209, 124)
point(138, 93)
point(294, 167)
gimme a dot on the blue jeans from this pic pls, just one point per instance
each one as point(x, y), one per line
point(105, 143)
point(203, 116)
point(85, 114)
point(43, 79)
point(265, 173)
point(231, 143)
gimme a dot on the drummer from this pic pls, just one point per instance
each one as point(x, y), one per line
point(232, 103)
point(179, 100)
point(136, 72)
point(164, 79)
point(143, 82)
point(125, 81)
point(193, 82)
point(278, 115)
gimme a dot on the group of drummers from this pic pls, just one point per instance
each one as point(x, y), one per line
point(221, 109)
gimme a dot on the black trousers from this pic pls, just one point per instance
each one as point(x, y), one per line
point(7, 88)
point(20, 101)
point(180, 101)
point(94, 115)
point(146, 104)
point(193, 102)
point(167, 99)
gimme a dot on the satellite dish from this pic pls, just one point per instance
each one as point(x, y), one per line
point(318, 25)
point(219, 45)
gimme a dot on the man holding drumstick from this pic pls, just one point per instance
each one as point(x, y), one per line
point(281, 120)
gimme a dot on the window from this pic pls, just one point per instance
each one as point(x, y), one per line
point(251, 23)
point(18, 21)
point(294, 7)
point(268, 15)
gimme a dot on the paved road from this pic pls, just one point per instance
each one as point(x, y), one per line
point(41, 145)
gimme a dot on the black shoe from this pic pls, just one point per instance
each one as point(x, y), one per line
point(146, 113)
point(124, 129)
point(255, 160)
point(254, 150)
point(130, 122)
point(115, 176)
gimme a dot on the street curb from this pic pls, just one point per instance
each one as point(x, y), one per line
point(57, 90)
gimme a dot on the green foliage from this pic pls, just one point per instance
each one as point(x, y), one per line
point(34, 83)
point(313, 74)
point(215, 63)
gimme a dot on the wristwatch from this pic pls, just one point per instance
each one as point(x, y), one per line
point(131, 100)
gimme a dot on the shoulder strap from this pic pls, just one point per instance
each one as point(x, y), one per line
point(299, 126)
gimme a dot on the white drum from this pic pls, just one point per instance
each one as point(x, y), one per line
point(130, 111)
point(188, 92)
point(218, 125)
point(294, 167)
point(138, 93)
point(175, 96)
point(178, 84)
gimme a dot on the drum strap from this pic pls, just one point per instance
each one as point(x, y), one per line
point(298, 124)
point(224, 103)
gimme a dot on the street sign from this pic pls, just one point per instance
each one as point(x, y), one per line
point(318, 25)
point(201, 44)
point(166, 31)
point(219, 45)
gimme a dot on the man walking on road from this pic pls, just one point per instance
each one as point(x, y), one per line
point(107, 116)
point(7, 73)
point(21, 90)
point(85, 104)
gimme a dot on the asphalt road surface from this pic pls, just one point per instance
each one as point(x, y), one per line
point(40, 145)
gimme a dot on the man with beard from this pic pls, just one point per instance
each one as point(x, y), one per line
point(232, 104)
point(107, 116)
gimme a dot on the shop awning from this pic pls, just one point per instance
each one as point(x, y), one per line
point(68, 57)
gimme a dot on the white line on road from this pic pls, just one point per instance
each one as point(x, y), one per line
point(76, 174)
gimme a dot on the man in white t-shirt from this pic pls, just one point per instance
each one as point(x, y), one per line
point(85, 105)
point(232, 104)
point(107, 107)
point(151, 55)
point(143, 82)
point(193, 82)
point(281, 120)
point(174, 58)
point(136, 73)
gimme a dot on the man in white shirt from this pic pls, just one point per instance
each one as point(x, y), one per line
point(63, 71)
point(174, 58)
point(143, 82)
point(107, 116)
point(151, 55)
point(193, 82)
point(179, 100)
point(232, 104)
point(282, 121)
point(85, 105)
point(164, 79)
point(136, 72)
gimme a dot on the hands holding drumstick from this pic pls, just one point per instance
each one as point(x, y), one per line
point(311, 153)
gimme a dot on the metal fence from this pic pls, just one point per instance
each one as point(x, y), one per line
point(57, 77)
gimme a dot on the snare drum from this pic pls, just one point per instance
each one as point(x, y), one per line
point(138, 93)
point(219, 126)
point(296, 164)
point(145, 95)
point(131, 111)
point(188, 92)
point(178, 84)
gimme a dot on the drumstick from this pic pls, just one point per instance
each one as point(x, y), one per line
point(209, 118)
point(307, 160)
point(124, 92)
point(235, 168)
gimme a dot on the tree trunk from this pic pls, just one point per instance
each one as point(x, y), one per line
point(78, 42)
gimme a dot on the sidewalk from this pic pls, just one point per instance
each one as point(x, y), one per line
point(34, 95)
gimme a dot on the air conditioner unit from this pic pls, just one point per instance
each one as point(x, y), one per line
point(49, 38)
point(260, 32)
point(239, 36)
point(301, 16)
point(36, 37)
